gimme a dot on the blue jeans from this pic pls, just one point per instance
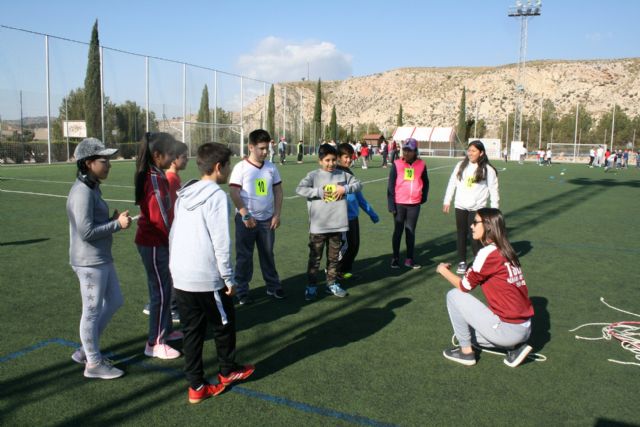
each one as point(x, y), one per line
point(264, 238)
point(156, 263)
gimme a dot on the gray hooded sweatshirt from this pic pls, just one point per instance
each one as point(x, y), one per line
point(199, 241)
point(327, 216)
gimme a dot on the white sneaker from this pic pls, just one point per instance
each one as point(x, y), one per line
point(78, 356)
point(161, 351)
point(104, 370)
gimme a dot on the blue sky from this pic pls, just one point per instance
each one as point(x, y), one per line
point(275, 40)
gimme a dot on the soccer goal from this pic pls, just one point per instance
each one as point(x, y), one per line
point(563, 152)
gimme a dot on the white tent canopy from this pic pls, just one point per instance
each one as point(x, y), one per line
point(424, 134)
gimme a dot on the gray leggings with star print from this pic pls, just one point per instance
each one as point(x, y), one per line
point(101, 298)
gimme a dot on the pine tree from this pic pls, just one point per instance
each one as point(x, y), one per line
point(333, 124)
point(400, 121)
point(317, 112)
point(271, 113)
point(92, 89)
point(462, 117)
point(204, 116)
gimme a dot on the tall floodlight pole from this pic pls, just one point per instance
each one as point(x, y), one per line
point(523, 11)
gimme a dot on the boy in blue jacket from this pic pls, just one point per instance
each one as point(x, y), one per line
point(355, 202)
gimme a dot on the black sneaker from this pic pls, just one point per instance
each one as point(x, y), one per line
point(245, 300)
point(277, 294)
point(516, 356)
point(395, 263)
point(457, 355)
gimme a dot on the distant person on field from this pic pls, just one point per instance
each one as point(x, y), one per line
point(547, 156)
point(364, 155)
point(282, 150)
point(473, 181)
point(592, 156)
point(355, 202)
point(324, 189)
point(272, 150)
point(506, 322)
point(407, 189)
point(152, 194)
point(202, 272)
point(90, 234)
point(300, 151)
point(256, 191)
point(384, 150)
point(505, 154)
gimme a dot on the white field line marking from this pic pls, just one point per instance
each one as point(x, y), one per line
point(60, 182)
point(370, 182)
point(56, 195)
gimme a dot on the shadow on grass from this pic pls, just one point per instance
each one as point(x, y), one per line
point(604, 182)
point(339, 332)
point(24, 242)
point(540, 324)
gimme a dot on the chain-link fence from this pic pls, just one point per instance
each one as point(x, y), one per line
point(42, 99)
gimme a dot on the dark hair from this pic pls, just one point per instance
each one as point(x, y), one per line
point(325, 150)
point(495, 231)
point(345, 149)
point(258, 136)
point(209, 155)
point(483, 162)
point(83, 169)
point(181, 148)
point(153, 142)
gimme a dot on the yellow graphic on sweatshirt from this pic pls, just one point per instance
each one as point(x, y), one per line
point(470, 181)
point(329, 191)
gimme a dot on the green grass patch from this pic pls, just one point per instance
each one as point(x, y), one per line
point(373, 357)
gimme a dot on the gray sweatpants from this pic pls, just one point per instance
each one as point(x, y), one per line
point(474, 323)
point(101, 298)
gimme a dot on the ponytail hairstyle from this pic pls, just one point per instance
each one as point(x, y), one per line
point(483, 163)
point(153, 142)
point(495, 232)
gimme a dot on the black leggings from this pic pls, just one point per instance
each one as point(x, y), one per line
point(464, 219)
point(405, 219)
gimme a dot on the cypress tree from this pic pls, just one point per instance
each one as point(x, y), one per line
point(333, 124)
point(462, 117)
point(92, 89)
point(204, 116)
point(271, 113)
point(317, 112)
point(400, 121)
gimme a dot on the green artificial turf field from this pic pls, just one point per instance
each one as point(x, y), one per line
point(373, 358)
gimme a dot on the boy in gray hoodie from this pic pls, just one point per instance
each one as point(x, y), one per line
point(203, 278)
point(324, 189)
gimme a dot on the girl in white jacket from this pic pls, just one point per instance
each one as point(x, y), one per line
point(473, 181)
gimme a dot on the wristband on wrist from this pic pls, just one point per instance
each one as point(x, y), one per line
point(247, 217)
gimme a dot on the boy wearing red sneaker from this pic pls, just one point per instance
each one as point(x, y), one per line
point(203, 278)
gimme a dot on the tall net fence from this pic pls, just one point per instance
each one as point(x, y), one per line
point(42, 113)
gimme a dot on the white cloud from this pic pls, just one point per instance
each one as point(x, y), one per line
point(277, 60)
point(598, 37)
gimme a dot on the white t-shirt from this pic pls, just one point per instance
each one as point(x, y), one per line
point(256, 186)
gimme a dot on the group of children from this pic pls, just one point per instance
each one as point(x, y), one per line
point(184, 241)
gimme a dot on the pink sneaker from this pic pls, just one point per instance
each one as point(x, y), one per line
point(161, 351)
point(175, 336)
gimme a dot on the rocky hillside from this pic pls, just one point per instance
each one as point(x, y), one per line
point(431, 96)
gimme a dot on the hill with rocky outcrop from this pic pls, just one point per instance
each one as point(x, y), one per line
point(431, 96)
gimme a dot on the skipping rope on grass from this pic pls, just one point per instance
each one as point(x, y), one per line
point(627, 332)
